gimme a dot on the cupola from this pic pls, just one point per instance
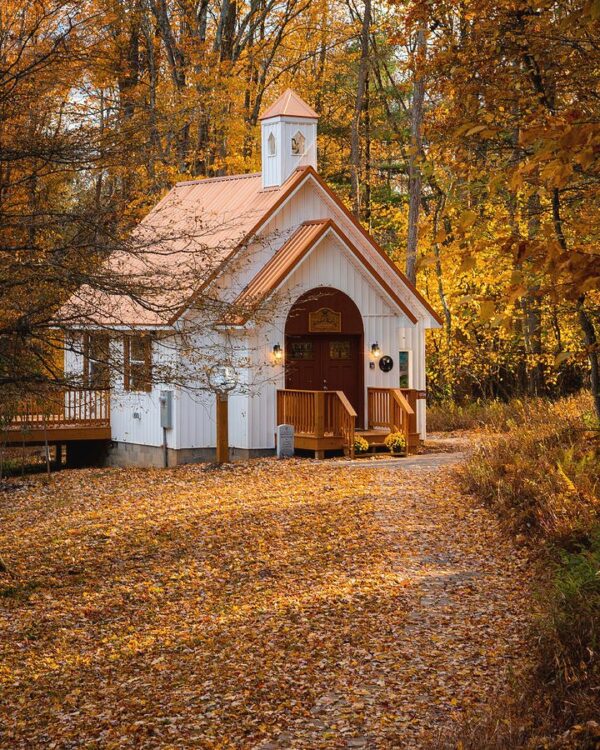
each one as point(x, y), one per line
point(289, 138)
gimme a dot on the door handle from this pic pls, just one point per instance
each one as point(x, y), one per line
point(324, 384)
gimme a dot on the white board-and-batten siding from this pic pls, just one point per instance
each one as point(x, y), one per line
point(134, 415)
point(330, 264)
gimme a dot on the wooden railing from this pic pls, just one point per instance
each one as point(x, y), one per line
point(62, 408)
point(318, 414)
point(390, 409)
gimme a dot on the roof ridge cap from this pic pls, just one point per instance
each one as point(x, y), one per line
point(221, 178)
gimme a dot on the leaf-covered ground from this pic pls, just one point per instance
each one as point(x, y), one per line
point(271, 605)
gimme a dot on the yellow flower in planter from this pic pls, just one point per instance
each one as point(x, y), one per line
point(395, 442)
point(360, 444)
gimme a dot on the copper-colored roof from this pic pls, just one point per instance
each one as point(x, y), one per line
point(276, 269)
point(289, 104)
point(289, 254)
point(191, 234)
point(180, 246)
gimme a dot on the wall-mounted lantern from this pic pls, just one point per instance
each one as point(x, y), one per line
point(277, 353)
point(375, 350)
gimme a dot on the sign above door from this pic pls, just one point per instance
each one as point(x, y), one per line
point(325, 320)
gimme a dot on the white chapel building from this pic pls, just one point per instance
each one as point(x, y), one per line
point(289, 305)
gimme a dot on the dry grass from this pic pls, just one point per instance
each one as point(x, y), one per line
point(449, 416)
point(541, 476)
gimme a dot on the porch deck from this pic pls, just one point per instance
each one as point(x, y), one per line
point(326, 421)
point(58, 417)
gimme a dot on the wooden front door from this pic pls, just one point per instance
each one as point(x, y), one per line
point(324, 346)
point(325, 362)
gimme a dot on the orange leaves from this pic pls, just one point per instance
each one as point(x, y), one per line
point(487, 310)
point(320, 606)
point(470, 129)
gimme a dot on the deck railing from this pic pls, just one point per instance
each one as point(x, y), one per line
point(390, 409)
point(318, 414)
point(62, 408)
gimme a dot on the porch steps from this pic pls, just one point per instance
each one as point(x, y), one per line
point(373, 437)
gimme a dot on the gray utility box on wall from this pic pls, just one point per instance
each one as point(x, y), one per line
point(166, 409)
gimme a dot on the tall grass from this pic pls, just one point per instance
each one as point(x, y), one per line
point(448, 416)
point(542, 473)
point(538, 468)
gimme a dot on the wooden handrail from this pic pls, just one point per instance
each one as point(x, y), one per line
point(347, 421)
point(401, 399)
point(319, 414)
point(390, 409)
point(347, 405)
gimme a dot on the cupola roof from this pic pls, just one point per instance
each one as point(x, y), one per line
point(289, 104)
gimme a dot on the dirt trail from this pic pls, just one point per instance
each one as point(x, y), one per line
point(464, 627)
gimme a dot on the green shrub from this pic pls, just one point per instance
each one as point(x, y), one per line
point(572, 625)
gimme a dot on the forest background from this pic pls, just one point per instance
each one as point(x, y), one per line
point(463, 135)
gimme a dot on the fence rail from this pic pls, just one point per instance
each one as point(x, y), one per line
point(64, 408)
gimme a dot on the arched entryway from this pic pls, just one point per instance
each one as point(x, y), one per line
point(324, 345)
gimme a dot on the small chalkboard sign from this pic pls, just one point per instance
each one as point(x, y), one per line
point(285, 441)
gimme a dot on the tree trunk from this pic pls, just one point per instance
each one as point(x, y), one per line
point(358, 107)
point(367, 154)
point(532, 316)
point(416, 145)
point(591, 342)
point(587, 326)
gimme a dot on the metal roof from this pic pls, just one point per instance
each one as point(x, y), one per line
point(276, 269)
point(289, 255)
point(289, 104)
point(179, 247)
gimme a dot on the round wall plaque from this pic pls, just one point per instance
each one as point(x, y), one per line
point(386, 363)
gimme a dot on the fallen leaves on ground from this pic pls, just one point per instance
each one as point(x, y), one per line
point(266, 605)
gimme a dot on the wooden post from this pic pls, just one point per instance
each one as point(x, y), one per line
point(319, 420)
point(222, 428)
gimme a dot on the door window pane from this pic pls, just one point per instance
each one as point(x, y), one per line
point(340, 350)
point(301, 350)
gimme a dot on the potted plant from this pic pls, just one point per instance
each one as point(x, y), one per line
point(396, 443)
point(361, 446)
